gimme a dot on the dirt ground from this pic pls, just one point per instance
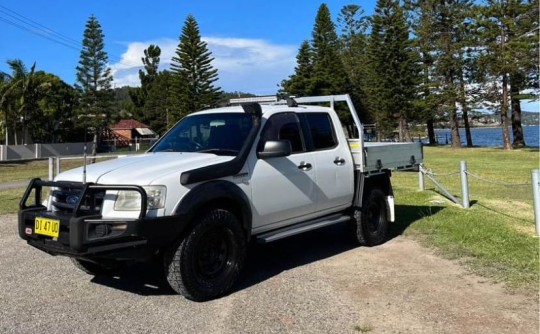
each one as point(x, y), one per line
point(312, 283)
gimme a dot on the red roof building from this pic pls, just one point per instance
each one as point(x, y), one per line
point(131, 129)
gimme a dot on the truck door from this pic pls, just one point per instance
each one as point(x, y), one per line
point(283, 188)
point(333, 161)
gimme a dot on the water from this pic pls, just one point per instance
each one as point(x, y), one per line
point(490, 137)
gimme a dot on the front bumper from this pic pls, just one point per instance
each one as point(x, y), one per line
point(85, 234)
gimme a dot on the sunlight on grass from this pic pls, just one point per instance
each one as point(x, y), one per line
point(496, 236)
point(9, 200)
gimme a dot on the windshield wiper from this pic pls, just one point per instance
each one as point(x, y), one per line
point(219, 151)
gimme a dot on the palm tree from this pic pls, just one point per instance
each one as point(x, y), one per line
point(19, 94)
point(6, 101)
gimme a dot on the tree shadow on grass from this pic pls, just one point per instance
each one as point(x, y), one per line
point(265, 261)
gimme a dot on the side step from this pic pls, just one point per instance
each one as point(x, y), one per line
point(301, 228)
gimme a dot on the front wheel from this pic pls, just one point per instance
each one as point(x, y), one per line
point(208, 260)
point(369, 226)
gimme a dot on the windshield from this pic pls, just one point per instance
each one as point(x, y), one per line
point(222, 134)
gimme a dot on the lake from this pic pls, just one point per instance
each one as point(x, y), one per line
point(490, 137)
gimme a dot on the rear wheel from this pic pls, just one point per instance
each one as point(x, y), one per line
point(98, 268)
point(208, 260)
point(369, 226)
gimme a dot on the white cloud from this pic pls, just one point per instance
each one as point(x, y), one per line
point(249, 65)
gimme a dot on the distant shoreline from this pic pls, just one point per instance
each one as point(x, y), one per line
point(490, 136)
point(486, 127)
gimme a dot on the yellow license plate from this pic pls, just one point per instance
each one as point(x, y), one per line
point(48, 227)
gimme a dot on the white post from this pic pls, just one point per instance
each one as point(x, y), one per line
point(51, 169)
point(464, 184)
point(536, 198)
point(57, 165)
point(421, 177)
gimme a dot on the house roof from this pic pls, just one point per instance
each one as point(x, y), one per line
point(129, 124)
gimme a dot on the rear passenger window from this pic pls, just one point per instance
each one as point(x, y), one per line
point(322, 132)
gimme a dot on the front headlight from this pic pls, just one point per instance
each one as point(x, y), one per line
point(131, 200)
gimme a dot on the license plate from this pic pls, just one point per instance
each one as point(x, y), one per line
point(48, 227)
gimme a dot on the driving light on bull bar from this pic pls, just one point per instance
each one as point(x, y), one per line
point(156, 196)
point(131, 200)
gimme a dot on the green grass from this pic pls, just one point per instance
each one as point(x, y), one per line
point(496, 236)
point(12, 172)
point(24, 171)
point(9, 200)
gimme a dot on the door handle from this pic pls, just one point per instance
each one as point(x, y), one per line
point(339, 161)
point(304, 166)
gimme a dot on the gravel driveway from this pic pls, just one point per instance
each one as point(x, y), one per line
point(312, 283)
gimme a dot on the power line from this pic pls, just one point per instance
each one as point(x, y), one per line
point(37, 25)
point(24, 23)
point(35, 33)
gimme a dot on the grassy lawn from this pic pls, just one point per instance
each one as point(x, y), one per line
point(494, 238)
point(23, 172)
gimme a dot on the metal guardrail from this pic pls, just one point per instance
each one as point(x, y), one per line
point(464, 176)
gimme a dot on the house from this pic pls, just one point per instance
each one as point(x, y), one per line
point(131, 129)
point(125, 133)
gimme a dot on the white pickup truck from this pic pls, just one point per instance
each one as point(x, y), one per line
point(218, 179)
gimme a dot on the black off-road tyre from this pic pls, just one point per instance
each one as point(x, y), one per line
point(369, 226)
point(208, 260)
point(98, 269)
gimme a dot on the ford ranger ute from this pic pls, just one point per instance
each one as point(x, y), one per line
point(216, 180)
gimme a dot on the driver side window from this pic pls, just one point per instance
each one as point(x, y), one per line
point(284, 126)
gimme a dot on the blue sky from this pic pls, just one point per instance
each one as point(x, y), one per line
point(254, 43)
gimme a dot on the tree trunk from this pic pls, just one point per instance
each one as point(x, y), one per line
point(6, 127)
point(454, 123)
point(94, 146)
point(431, 132)
point(426, 82)
point(449, 76)
point(504, 114)
point(404, 134)
point(517, 128)
point(15, 139)
point(464, 109)
point(468, 135)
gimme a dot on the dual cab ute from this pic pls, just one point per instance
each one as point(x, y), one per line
point(218, 179)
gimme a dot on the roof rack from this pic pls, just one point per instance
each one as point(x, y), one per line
point(292, 101)
point(254, 99)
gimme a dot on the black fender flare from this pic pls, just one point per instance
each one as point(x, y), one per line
point(365, 182)
point(220, 193)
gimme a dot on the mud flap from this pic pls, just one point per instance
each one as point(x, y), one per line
point(391, 211)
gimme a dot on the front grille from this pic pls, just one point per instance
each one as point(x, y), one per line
point(66, 199)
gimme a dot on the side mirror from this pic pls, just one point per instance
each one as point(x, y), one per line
point(275, 149)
